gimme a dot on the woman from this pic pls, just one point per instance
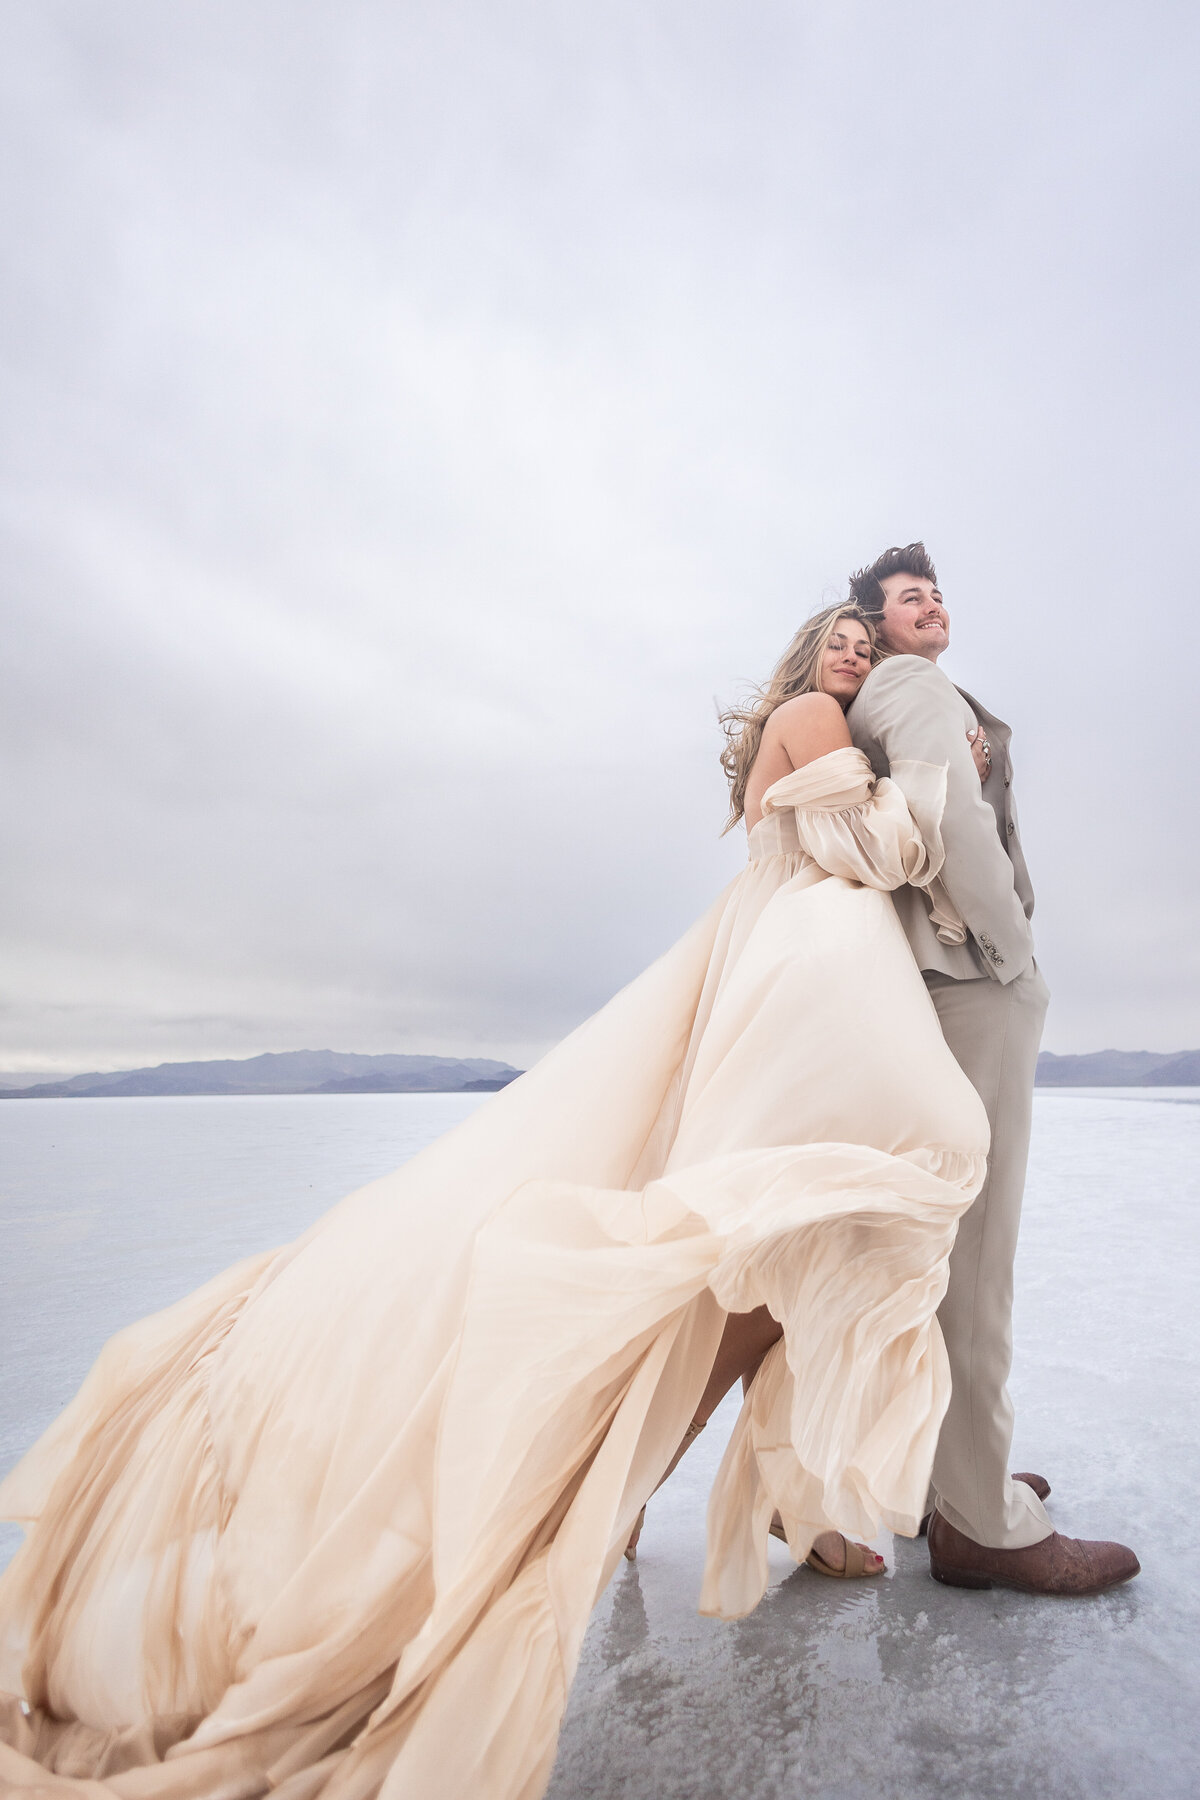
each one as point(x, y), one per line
point(334, 1524)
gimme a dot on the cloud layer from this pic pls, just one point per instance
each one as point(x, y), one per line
point(412, 418)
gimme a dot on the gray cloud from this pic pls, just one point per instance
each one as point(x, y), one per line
point(413, 416)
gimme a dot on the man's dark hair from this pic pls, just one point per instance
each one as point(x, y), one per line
point(909, 559)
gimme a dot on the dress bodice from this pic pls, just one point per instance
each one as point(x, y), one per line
point(837, 814)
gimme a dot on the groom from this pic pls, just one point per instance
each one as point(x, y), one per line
point(988, 1528)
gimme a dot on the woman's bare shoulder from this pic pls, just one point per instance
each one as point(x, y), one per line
point(808, 726)
point(804, 707)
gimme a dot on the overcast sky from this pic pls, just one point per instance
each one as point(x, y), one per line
point(413, 415)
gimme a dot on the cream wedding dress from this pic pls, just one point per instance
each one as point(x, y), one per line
point(333, 1525)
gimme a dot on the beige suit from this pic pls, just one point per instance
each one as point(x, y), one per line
point(991, 1002)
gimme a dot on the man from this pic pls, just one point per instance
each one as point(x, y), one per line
point(987, 1527)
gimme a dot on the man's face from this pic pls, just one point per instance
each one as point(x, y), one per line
point(914, 622)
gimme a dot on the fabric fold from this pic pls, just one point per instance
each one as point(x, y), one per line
point(337, 1521)
point(864, 827)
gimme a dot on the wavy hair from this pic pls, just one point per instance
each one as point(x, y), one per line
point(866, 589)
point(798, 671)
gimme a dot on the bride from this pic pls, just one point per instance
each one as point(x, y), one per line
point(333, 1525)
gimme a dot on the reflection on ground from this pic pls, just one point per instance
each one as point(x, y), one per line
point(889, 1689)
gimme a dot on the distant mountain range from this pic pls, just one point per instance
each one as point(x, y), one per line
point(1120, 1068)
point(342, 1072)
point(289, 1072)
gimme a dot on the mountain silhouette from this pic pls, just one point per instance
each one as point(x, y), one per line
point(285, 1072)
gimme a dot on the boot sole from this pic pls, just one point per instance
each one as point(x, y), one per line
point(959, 1578)
point(964, 1578)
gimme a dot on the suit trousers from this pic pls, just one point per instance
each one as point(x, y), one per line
point(994, 1032)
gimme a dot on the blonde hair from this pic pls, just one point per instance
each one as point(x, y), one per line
point(798, 671)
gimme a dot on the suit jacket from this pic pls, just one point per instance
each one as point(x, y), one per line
point(912, 722)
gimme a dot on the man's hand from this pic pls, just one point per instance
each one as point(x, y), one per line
point(981, 750)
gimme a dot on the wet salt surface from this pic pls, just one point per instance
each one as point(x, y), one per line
point(885, 1690)
point(901, 1688)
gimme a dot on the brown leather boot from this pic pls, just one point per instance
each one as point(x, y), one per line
point(1038, 1483)
point(1058, 1565)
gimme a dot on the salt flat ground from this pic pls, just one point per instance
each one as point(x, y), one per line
point(885, 1690)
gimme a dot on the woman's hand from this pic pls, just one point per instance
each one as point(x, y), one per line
point(981, 750)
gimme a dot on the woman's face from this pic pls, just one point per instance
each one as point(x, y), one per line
point(846, 661)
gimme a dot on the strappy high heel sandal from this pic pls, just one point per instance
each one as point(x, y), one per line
point(857, 1557)
point(689, 1437)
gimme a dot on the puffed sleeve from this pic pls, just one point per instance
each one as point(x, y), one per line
point(860, 827)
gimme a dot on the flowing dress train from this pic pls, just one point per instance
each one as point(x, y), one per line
point(333, 1525)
